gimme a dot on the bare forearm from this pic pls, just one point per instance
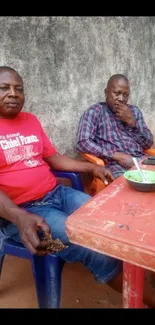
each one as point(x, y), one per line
point(9, 210)
point(65, 163)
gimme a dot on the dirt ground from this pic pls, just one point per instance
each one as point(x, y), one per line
point(79, 289)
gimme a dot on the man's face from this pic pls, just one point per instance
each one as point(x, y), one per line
point(11, 94)
point(117, 92)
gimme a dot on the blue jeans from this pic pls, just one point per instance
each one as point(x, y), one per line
point(55, 207)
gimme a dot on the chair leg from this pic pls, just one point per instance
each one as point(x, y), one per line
point(1, 262)
point(47, 274)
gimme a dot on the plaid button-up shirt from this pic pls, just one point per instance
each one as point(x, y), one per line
point(101, 133)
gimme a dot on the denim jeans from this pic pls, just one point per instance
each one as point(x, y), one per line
point(55, 207)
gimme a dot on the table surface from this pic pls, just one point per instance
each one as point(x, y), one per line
point(119, 221)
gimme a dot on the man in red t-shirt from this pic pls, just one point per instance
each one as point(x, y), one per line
point(30, 198)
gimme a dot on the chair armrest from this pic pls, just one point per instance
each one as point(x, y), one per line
point(93, 159)
point(150, 151)
point(74, 177)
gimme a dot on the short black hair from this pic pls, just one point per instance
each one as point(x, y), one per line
point(117, 76)
point(5, 67)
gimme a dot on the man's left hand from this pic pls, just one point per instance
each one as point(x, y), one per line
point(124, 113)
point(104, 174)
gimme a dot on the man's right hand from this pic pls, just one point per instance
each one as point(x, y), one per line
point(123, 159)
point(28, 225)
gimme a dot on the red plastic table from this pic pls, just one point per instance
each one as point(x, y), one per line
point(120, 222)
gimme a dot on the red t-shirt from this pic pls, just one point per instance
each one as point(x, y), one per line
point(24, 175)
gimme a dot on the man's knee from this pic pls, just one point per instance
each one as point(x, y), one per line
point(82, 198)
point(74, 199)
point(79, 200)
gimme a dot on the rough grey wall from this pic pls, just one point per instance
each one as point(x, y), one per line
point(66, 61)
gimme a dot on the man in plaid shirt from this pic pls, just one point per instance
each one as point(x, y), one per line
point(114, 130)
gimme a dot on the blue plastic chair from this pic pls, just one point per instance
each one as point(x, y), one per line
point(46, 269)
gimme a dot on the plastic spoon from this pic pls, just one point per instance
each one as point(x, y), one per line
point(140, 171)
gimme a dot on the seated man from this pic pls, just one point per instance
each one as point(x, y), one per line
point(31, 201)
point(114, 130)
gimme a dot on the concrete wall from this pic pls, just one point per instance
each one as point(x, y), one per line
point(66, 61)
